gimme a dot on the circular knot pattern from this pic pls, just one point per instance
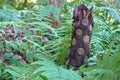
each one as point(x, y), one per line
point(85, 22)
point(81, 51)
point(86, 38)
point(79, 32)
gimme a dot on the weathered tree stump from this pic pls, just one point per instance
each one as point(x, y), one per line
point(81, 36)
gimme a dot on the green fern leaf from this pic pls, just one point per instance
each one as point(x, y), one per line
point(53, 72)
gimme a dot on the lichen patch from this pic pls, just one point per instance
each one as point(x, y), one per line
point(73, 41)
point(86, 38)
point(90, 27)
point(81, 51)
point(79, 32)
point(85, 22)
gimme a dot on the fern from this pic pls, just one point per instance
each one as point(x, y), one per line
point(107, 68)
point(47, 57)
point(112, 11)
point(53, 72)
point(10, 15)
point(41, 70)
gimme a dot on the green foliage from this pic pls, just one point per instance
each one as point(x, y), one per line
point(53, 72)
point(35, 50)
point(10, 15)
point(107, 68)
point(40, 70)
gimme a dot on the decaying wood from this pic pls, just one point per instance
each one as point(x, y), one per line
point(81, 36)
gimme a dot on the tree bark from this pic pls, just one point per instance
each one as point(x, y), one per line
point(81, 36)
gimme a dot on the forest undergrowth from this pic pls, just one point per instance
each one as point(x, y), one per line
point(35, 38)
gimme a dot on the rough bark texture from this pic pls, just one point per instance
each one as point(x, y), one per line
point(81, 36)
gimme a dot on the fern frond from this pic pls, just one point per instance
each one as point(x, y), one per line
point(53, 72)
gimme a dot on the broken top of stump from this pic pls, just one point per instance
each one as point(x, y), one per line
point(82, 12)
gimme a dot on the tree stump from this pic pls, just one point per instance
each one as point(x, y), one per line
point(81, 36)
